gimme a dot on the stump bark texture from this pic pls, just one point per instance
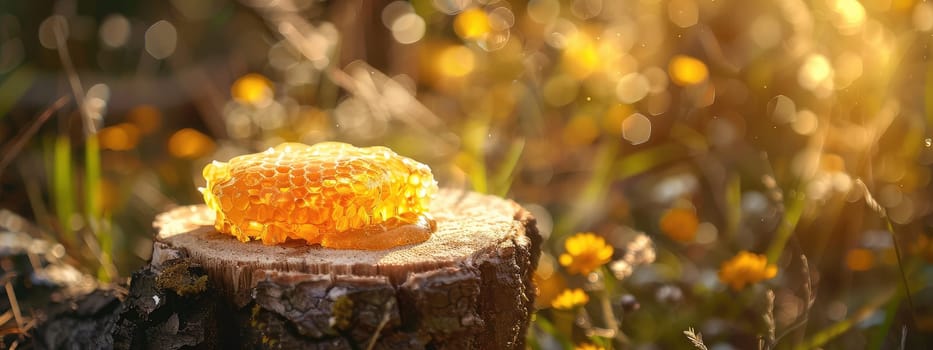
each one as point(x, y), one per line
point(468, 287)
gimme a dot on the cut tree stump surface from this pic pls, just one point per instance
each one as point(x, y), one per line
point(468, 286)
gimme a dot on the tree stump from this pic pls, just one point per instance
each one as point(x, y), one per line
point(467, 287)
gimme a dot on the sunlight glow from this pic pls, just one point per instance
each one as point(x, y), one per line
point(190, 144)
point(252, 89)
point(923, 17)
point(581, 56)
point(848, 15)
point(815, 73)
point(686, 70)
point(472, 23)
point(456, 61)
point(543, 11)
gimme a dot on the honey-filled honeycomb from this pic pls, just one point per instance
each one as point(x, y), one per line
point(331, 193)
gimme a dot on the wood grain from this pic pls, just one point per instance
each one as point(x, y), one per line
point(468, 286)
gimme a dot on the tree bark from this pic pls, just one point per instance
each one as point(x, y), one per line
point(468, 287)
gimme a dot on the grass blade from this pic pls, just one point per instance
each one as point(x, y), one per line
point(792, 214)
point(502, 180)
point(826, 335)
point(92, 208)
point(592, 192)
point(63, 194)
point(99, 224)
point(733, 205)
point(642, 161)
point(474, 140)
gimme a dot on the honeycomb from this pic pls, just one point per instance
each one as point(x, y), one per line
point(331, 193)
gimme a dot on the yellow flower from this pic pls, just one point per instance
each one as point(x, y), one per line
point(585, 252)
point(746, 268)
point(570, 299)
point(588, 346)
point(680, 224)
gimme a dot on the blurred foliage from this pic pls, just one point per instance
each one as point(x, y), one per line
point(681, 132)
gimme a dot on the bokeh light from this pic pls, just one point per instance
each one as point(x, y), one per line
point(581, 57)
point(147, 118)
point(636, 129)
point(805, 122)
point(848, 69)
point(456, 61)
point(765, 31)
point(120, 137)
point(782, 109)
point(680, 224)
point(252, 89)
point(408, 28)
point(632, 88)
point(543, 11)
point(699, 128)
point(501, 18)
point(860, 259)
point(161, 38)
point(848, 15)
point(190, 144)
point(472, 23)
point(451, 7)
point(686, 70)
point(683, 13)
point(50, 27)
point(816, 74)
point(115, 31)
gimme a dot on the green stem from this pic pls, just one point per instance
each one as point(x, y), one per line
point(786, 229)
point(502, 180)
point(474, 140)
point(829, 333)
point(605, 302)
point(593, 192)
point(63, 188)
point(900, 268)
point(92, 208)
